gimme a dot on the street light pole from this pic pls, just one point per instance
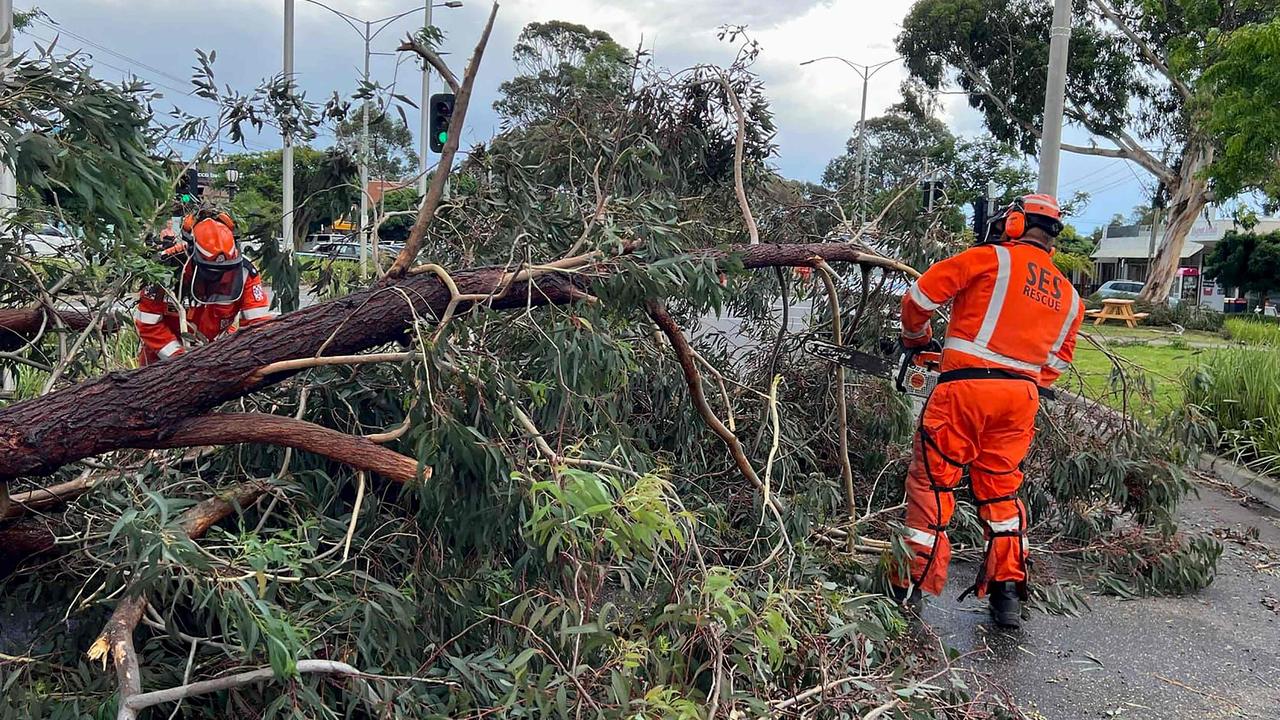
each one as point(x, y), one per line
point(364, 163)
point(866, 72)
point(287, 154)
point(368, 33)
point(8, 182)
point(1054, 97)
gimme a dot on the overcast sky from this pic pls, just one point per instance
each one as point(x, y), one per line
point(816, 106)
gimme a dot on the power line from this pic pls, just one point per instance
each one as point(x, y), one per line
point(182, 92)
point(104, 48)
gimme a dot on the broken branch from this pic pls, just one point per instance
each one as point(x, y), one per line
point(235, 428)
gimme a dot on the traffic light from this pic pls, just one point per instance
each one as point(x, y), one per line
point(441, 113)
point(189, 186)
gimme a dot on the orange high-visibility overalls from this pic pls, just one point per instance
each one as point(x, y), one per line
point(157, 322)
point(1013, 327)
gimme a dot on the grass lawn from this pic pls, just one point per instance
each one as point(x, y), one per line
point(1152, 371)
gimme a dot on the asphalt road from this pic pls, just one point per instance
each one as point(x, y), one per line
point(1215, 654)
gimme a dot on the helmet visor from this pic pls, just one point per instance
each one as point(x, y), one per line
point(217, 283)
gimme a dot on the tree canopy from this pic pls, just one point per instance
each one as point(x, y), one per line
point(391, 152)
point(1246, 260)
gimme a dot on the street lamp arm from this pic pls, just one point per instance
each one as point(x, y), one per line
point(880, 66)
point(386, 21)
point(348, 19)
point(429, 56)
point(856, 67)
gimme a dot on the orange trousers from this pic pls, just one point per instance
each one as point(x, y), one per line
point(986, 425)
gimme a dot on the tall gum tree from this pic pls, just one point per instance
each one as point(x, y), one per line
point(1135, 83)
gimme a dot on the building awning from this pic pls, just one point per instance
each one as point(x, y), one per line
point(1137, 248)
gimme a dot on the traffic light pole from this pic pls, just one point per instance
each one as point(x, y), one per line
point(364, 162)
point(423, 116)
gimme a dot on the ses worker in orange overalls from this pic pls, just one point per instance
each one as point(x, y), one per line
point(1013, 330)
point(218, 289)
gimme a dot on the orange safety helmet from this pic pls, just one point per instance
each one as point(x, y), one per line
point(1038, 210)
point(216, 274)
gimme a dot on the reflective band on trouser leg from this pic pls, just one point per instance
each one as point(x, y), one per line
point(1005, 555)
point(146, 318)
point(930, 480)
point(170, 348)
point(920, 537)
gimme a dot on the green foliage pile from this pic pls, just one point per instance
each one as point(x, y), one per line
point(1188, 315)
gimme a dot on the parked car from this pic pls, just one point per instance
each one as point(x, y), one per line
point(311, 242)
point(338, 250)
point(1127, 289)
point(47, 240)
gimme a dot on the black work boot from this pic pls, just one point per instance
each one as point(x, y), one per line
point(913, 601)
point(1006, 609)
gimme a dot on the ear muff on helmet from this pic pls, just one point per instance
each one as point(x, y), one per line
point(1015, 223)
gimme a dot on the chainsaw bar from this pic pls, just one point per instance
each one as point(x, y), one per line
point(909, 378)
point(856, 360)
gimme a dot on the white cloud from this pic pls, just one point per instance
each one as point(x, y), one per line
point(816, 106)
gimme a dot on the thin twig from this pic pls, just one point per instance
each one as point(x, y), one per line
point(739, 188)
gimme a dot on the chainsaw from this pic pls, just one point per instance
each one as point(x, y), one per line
point(914, 371)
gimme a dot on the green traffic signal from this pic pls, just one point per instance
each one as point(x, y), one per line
point(443, 137)
point(186, 198)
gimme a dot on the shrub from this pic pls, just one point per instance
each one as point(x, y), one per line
point(1251, 331)
point(1240, 389)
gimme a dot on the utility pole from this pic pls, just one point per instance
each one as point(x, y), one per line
point(364, 162)
point(1054, 97)
point(287, 184)
point(423, 117)
point(8, 183)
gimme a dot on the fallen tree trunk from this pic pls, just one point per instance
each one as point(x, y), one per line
point(147, 407)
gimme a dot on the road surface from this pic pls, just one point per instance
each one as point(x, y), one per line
point(1215, 654)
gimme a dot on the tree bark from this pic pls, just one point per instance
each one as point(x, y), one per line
point(19, 326)
point(1187, 200)
point(148, 406)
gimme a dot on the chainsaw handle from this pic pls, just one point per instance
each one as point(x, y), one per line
point(929, 356)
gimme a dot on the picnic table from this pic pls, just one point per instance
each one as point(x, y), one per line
point(1118, 310)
